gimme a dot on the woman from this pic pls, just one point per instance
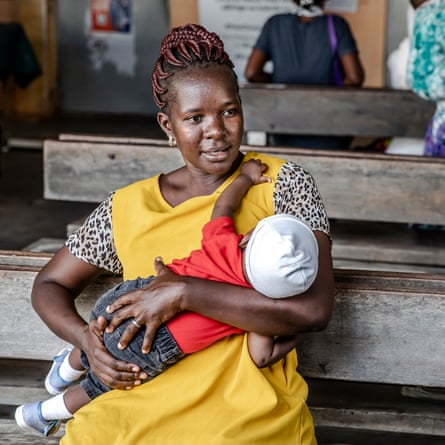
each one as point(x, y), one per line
point(217, 395)
point(300, 47)
point(426, 67)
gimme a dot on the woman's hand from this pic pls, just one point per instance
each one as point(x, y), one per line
point(149, 306)
point(115, 373)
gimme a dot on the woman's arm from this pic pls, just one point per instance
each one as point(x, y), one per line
point(254, 71)
point(53, 296)
point(170, 294)
point(352, 69)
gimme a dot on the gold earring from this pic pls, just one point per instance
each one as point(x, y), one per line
point(171, 141)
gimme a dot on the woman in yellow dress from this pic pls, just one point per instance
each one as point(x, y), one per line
point(218, 395)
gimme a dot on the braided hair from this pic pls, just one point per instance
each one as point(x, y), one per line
point(184, 47)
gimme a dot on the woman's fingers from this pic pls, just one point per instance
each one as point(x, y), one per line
point(98, 326)
point(122, 301)
point(147, 307)
point(122, 376)
point(115, 373)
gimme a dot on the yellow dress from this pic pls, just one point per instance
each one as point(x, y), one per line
point(216, 396)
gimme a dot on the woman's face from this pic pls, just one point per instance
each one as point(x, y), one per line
point(205, 117)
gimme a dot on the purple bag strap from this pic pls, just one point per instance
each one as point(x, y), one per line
point(338, 76)
point(332, 35)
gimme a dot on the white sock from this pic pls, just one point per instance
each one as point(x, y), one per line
point(68, 373)
point(55, 408)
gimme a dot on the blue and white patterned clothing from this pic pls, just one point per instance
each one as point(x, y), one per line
point(426, 68)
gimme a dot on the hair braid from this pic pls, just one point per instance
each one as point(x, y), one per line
point(181, 48)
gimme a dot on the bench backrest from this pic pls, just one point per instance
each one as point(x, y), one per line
point(279, 108)
point(386, 327)
point(23, 335)
point(354, 186)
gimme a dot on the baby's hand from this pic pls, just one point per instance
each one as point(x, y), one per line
point(254, 169)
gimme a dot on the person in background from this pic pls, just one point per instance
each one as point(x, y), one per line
point(217, 395)
point(397, 61)
point(426, 67)
point(302, 51)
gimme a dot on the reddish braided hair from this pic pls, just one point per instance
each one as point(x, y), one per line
point(183, 47)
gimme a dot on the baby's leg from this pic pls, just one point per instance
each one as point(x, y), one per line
point(63, 406)
point(74, 398)
point(164, 352)
point(66, 369)
point(107, 298)
point(91, 384)
point(46, 416)
point(74, 359)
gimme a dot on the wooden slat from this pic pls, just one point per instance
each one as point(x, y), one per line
point(88, 171)
point(360, 409)
point(395, 244)
point(11, 434)
point(74, 137)
point(20, 259)
point(386, 328)
point(21, 381)
point(20, 325)
point(383, 420)
point(376, 187)
point(19, 395)
point(356, 186)
point(278, 108)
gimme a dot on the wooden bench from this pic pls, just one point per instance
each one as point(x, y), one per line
point(370, 198)
point(376, 370)
point(364, 112)
point(26, 344)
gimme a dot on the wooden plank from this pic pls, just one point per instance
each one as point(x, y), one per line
point(292, 109)
point(377, 333)
point(373, 408)
point(340, 263)
point(374, 187)
point(386, 328)
point(19, 395)
point(71, 137)
point(356, 186)
point(18, 259)
point(392, 243)
point(383, 420)
point(88, 171)
point(21, 325)
point(11, 434)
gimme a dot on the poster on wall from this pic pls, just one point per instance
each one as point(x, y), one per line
point(111, 15)
point(111, 36)
point(239, 22)
point(342, 5)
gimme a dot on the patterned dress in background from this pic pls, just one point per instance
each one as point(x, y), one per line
point(426, 69)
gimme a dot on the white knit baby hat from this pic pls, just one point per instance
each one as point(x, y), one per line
point(281, 257)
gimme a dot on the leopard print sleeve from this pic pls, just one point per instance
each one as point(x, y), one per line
point(93, 241)
point(297, 194)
